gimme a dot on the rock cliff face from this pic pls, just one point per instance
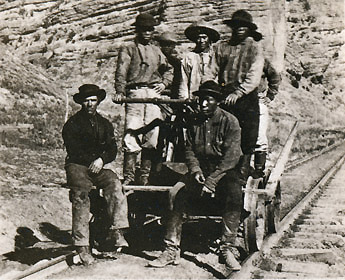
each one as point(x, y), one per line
point(78, 40)
point(73, 42)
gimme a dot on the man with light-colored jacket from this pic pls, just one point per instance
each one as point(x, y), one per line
point(142, 71)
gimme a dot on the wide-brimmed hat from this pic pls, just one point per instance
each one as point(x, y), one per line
point(167, 37)
point(209, 88)
point(241, 18)
point(145, 20)
point(87, 90)
point(201, 27)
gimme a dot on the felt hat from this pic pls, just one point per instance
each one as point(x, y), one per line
point(209, 88)
point(201, 27)
point(241, 18)
point(87, 90)
point(167, 37)
point(145, 20)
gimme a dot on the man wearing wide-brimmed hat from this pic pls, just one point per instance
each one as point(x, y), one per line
point(194, 63)
point(238, 63)
point(213, 149)
point(90, 144)
point(138, 75)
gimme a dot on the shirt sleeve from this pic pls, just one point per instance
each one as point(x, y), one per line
point(123, 62)
point(273, 76)
point(185, 78)
point(191, 160)
point(110, 147)
point(168, 74)
point(253, 76)
point(231, 150)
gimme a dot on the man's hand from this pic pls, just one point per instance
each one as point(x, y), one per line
point(232, 98)
point(199, 177)
point(117, 97)
point(159, 87)
point(96, 165)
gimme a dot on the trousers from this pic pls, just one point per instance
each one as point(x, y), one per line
point(138, 116)
point(188, 198)
point(262, 141)
point(80, 181)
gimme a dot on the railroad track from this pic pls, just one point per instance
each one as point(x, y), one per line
point(258, 264)
point(310, 241)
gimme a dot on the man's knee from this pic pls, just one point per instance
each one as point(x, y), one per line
point(78, 178)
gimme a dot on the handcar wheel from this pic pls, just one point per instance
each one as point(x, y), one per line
point(273, 211)
point(254, 224)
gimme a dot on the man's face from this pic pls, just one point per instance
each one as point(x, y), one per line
point(202, 42)
point(90, 105)
point(144, 34)
point(167, 48)
point(241, 32)
point(208, 105)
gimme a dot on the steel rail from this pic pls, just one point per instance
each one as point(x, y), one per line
point(249, 264)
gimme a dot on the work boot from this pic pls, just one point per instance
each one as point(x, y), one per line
point(117, 239)
point(145, 169)
point(85, 255)
point(129, 162)
point(170, 255)
point(227, 257)
point(244, 167)
point(259, 163)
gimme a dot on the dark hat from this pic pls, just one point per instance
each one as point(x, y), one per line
point(241, 18)
point(89, 90)
point(201, 27)
point(167, 37)
point(209, 88)
point(257, 36)
point(145, 20)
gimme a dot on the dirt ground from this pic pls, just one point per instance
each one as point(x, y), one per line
point(35, 219)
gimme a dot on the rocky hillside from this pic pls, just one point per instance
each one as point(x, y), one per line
point(72, 42)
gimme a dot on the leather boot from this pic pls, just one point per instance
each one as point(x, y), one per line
point(117, 239)
point(129, 163)
point(85, 255)
point(171, 255)
point(145, 166)
point(244, 167)
point(227, 257)
point(259, 163)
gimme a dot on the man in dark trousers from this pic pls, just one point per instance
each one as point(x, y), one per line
point(213, 150)
point(238, 63)
point(142, 71)
point(90, 144)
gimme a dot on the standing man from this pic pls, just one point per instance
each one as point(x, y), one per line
point(213, 150)
point(195, 63)
point(168, 42)
point(142, 71)
point(238, 63)
point(268, 89)
point(90, 143)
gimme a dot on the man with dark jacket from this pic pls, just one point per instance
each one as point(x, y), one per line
point(142, 71)
point(90, 144)
point(213, 150)
point(238, 63)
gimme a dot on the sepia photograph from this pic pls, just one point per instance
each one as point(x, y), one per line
point(172, 139)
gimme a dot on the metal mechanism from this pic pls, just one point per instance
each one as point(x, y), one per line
point(261, 195)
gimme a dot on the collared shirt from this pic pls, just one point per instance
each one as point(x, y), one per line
point(141, 64)
point(239, 66)
point(213, 145)
point(87, 139)
point(193, 69)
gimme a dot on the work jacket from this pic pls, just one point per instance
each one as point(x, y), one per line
point(87, 139)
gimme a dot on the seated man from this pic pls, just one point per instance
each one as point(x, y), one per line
point(90, 143)
point(213, 151)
